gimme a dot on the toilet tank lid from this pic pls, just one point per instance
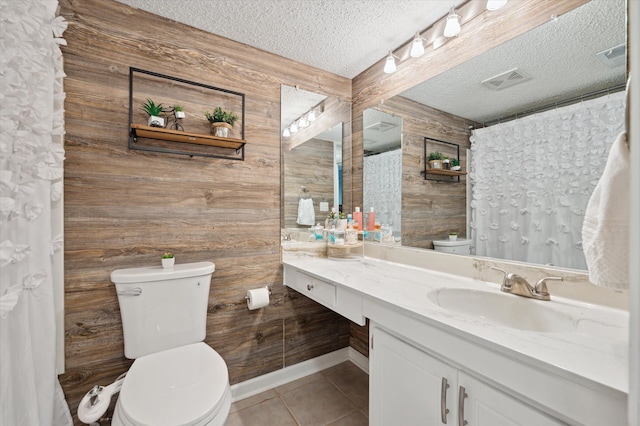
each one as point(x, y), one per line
point(158, 273)
point(449, 243)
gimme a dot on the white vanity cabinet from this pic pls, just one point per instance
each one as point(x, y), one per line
point(408, 386)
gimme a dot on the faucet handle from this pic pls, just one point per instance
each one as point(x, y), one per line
point(541, 286)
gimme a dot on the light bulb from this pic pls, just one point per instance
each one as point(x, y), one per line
point(286, 133)
point(312, 115)
point(390, 64)
point(452, 28)
point(495, 4)
point(417, 48)
point(294, 128)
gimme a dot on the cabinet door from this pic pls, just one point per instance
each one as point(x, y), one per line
point(407, 386)
point(487, 406)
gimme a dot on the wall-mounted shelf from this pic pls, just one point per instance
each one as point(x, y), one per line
point(426, 171)
point(160, 133)
point(444, 172)
point(170, 141)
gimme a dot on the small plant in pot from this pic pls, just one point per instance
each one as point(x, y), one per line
point(435, 160)
point(153, 110)
point(168, 260)
point(455, 164)
point(453, 236)
point(221, 121)
point(178, 111)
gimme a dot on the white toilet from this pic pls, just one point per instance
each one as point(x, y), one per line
point(176, 378)
point(459, 246)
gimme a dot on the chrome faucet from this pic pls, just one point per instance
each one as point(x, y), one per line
point(515, 284)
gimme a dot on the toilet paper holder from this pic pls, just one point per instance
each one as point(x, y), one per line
point(268, 289)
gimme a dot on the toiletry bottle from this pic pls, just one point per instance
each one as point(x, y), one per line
point(357, 218)
point(371, 220)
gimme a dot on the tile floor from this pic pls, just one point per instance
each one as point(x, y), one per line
point(337, 396)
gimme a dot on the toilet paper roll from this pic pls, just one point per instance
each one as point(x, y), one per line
point(257, 298)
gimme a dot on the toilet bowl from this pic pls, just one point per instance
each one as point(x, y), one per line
point(184, 386)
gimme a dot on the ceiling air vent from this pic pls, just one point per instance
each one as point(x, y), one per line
point(506, 79)
point(613, 57)
point(381, 126)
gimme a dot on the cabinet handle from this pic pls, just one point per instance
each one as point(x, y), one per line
point(443, 401)
point(462, 394)
point(309, 287)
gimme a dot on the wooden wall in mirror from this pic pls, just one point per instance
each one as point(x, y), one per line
point(311, 155)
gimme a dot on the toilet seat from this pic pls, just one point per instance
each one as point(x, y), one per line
point(183, 386)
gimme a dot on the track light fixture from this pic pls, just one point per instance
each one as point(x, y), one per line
point(452, 28)
point(312, 115)
point(417, 46)
point(286, 133)
point(390, 64)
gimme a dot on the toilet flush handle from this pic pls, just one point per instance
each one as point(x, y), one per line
point(130, 292)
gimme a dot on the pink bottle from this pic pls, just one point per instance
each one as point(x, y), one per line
point(357, 217)
point(371, 220)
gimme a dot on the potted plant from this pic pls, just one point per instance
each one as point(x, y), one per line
point(153, 110)
point(455, 164)
point(435, 160)
point(221, 121)
point(168, 259)
point(453, 236)
point(178, 111)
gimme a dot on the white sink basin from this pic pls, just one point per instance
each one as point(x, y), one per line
point(506, 310)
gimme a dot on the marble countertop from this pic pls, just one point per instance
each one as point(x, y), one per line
point(597, 351)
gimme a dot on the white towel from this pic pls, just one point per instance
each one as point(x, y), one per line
point(605, 231)
point(306, 213)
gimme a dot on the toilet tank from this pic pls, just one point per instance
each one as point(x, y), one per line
point(163, 308)
point(460, 246)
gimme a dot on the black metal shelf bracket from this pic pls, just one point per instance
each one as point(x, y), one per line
point(425, 169)
point(133, 137)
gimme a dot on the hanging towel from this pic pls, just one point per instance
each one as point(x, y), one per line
point(605, 231)
point(306, 213)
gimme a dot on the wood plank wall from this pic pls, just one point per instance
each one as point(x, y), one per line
point(310, 165)
point(430, 209)
point(124, 208)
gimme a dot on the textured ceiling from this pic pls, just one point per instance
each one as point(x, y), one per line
point(344, 37)
point(560, 56)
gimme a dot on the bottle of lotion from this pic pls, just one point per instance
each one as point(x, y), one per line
point(371, 220)
point(357, 217)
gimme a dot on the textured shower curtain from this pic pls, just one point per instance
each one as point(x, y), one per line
point(532, 179)
point(31, 149)
point(383, 188)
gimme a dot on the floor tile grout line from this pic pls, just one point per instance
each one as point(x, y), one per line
point(295, 419)
point(343, 392)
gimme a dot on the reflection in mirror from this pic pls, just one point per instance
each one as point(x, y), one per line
point(557, 66)
point(311, 156)
point(382, 174)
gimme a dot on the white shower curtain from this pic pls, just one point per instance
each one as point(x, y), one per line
point(383, 188)
point(532, 178)
point(31, 173)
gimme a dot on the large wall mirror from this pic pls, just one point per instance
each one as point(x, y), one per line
point(312, 140)
point(561, 80)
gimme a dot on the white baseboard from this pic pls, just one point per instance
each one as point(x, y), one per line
point(297, 371)
point(359, 360)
